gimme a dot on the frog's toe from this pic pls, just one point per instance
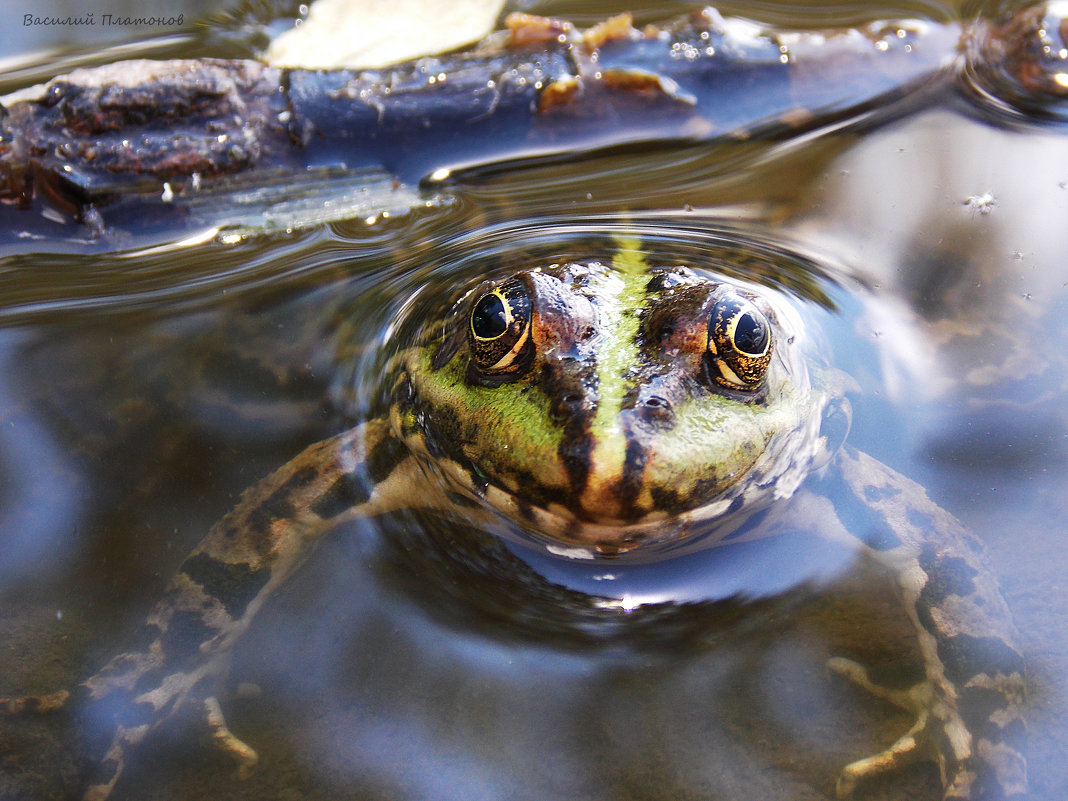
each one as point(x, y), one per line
point(907, 749)
point(904, 751)
point(915, 745)
point(973, 767)
point(912, 699)
point(243, 754)
point(111, 766)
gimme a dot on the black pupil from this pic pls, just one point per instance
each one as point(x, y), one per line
point(750, 334)
point(487, 320)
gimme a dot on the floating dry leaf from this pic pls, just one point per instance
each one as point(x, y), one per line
point(362, 34)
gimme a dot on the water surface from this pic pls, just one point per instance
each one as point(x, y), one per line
point(415, 660)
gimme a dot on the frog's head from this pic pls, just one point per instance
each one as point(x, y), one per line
point(603, 406)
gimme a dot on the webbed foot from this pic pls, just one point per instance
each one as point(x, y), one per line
point(111, 766)
point(908, 748)
point(939, 734)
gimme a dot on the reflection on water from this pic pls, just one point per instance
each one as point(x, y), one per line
point(140, 393)
point(41, 496)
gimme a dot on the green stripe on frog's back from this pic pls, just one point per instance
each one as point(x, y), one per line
point(621, 294)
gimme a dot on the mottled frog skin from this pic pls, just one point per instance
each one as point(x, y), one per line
point(604, 408)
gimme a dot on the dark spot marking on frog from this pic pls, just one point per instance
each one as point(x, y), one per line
point(634, 463)
point(342, 495)
point(233, 585)
point(978, 705)
point(533, 492)
point(946, 575)
point(876, 494)
point(572, 389)
point(444, 432)
point(181, 642)
point(664, 497)
point(965, 656)
point(574, 453)
point(525, 510)
point(962, 655)
point(301, 478)
point(879, 537)
point(277, 506)
point(384, 458)
point(671, 501)
point(920, 520)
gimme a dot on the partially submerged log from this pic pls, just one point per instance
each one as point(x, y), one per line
point(541, 89)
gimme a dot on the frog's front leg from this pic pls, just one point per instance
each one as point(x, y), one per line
point(183, 649)
point(970, 706)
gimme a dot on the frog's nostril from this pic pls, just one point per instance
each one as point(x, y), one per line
point(572, 402)
point(568, 405)
point(656, 409)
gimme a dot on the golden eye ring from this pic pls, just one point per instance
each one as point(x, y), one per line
point(499, 328)
point(739, 343)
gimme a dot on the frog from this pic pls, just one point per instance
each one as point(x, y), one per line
point(601, 408)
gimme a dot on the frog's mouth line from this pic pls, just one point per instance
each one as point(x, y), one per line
point(560, 531)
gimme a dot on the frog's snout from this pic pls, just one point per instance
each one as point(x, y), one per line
point(614, 490)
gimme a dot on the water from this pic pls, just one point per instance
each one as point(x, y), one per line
point(411, 660)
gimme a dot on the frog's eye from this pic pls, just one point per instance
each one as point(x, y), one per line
point(499, 331)
point(739, 343)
